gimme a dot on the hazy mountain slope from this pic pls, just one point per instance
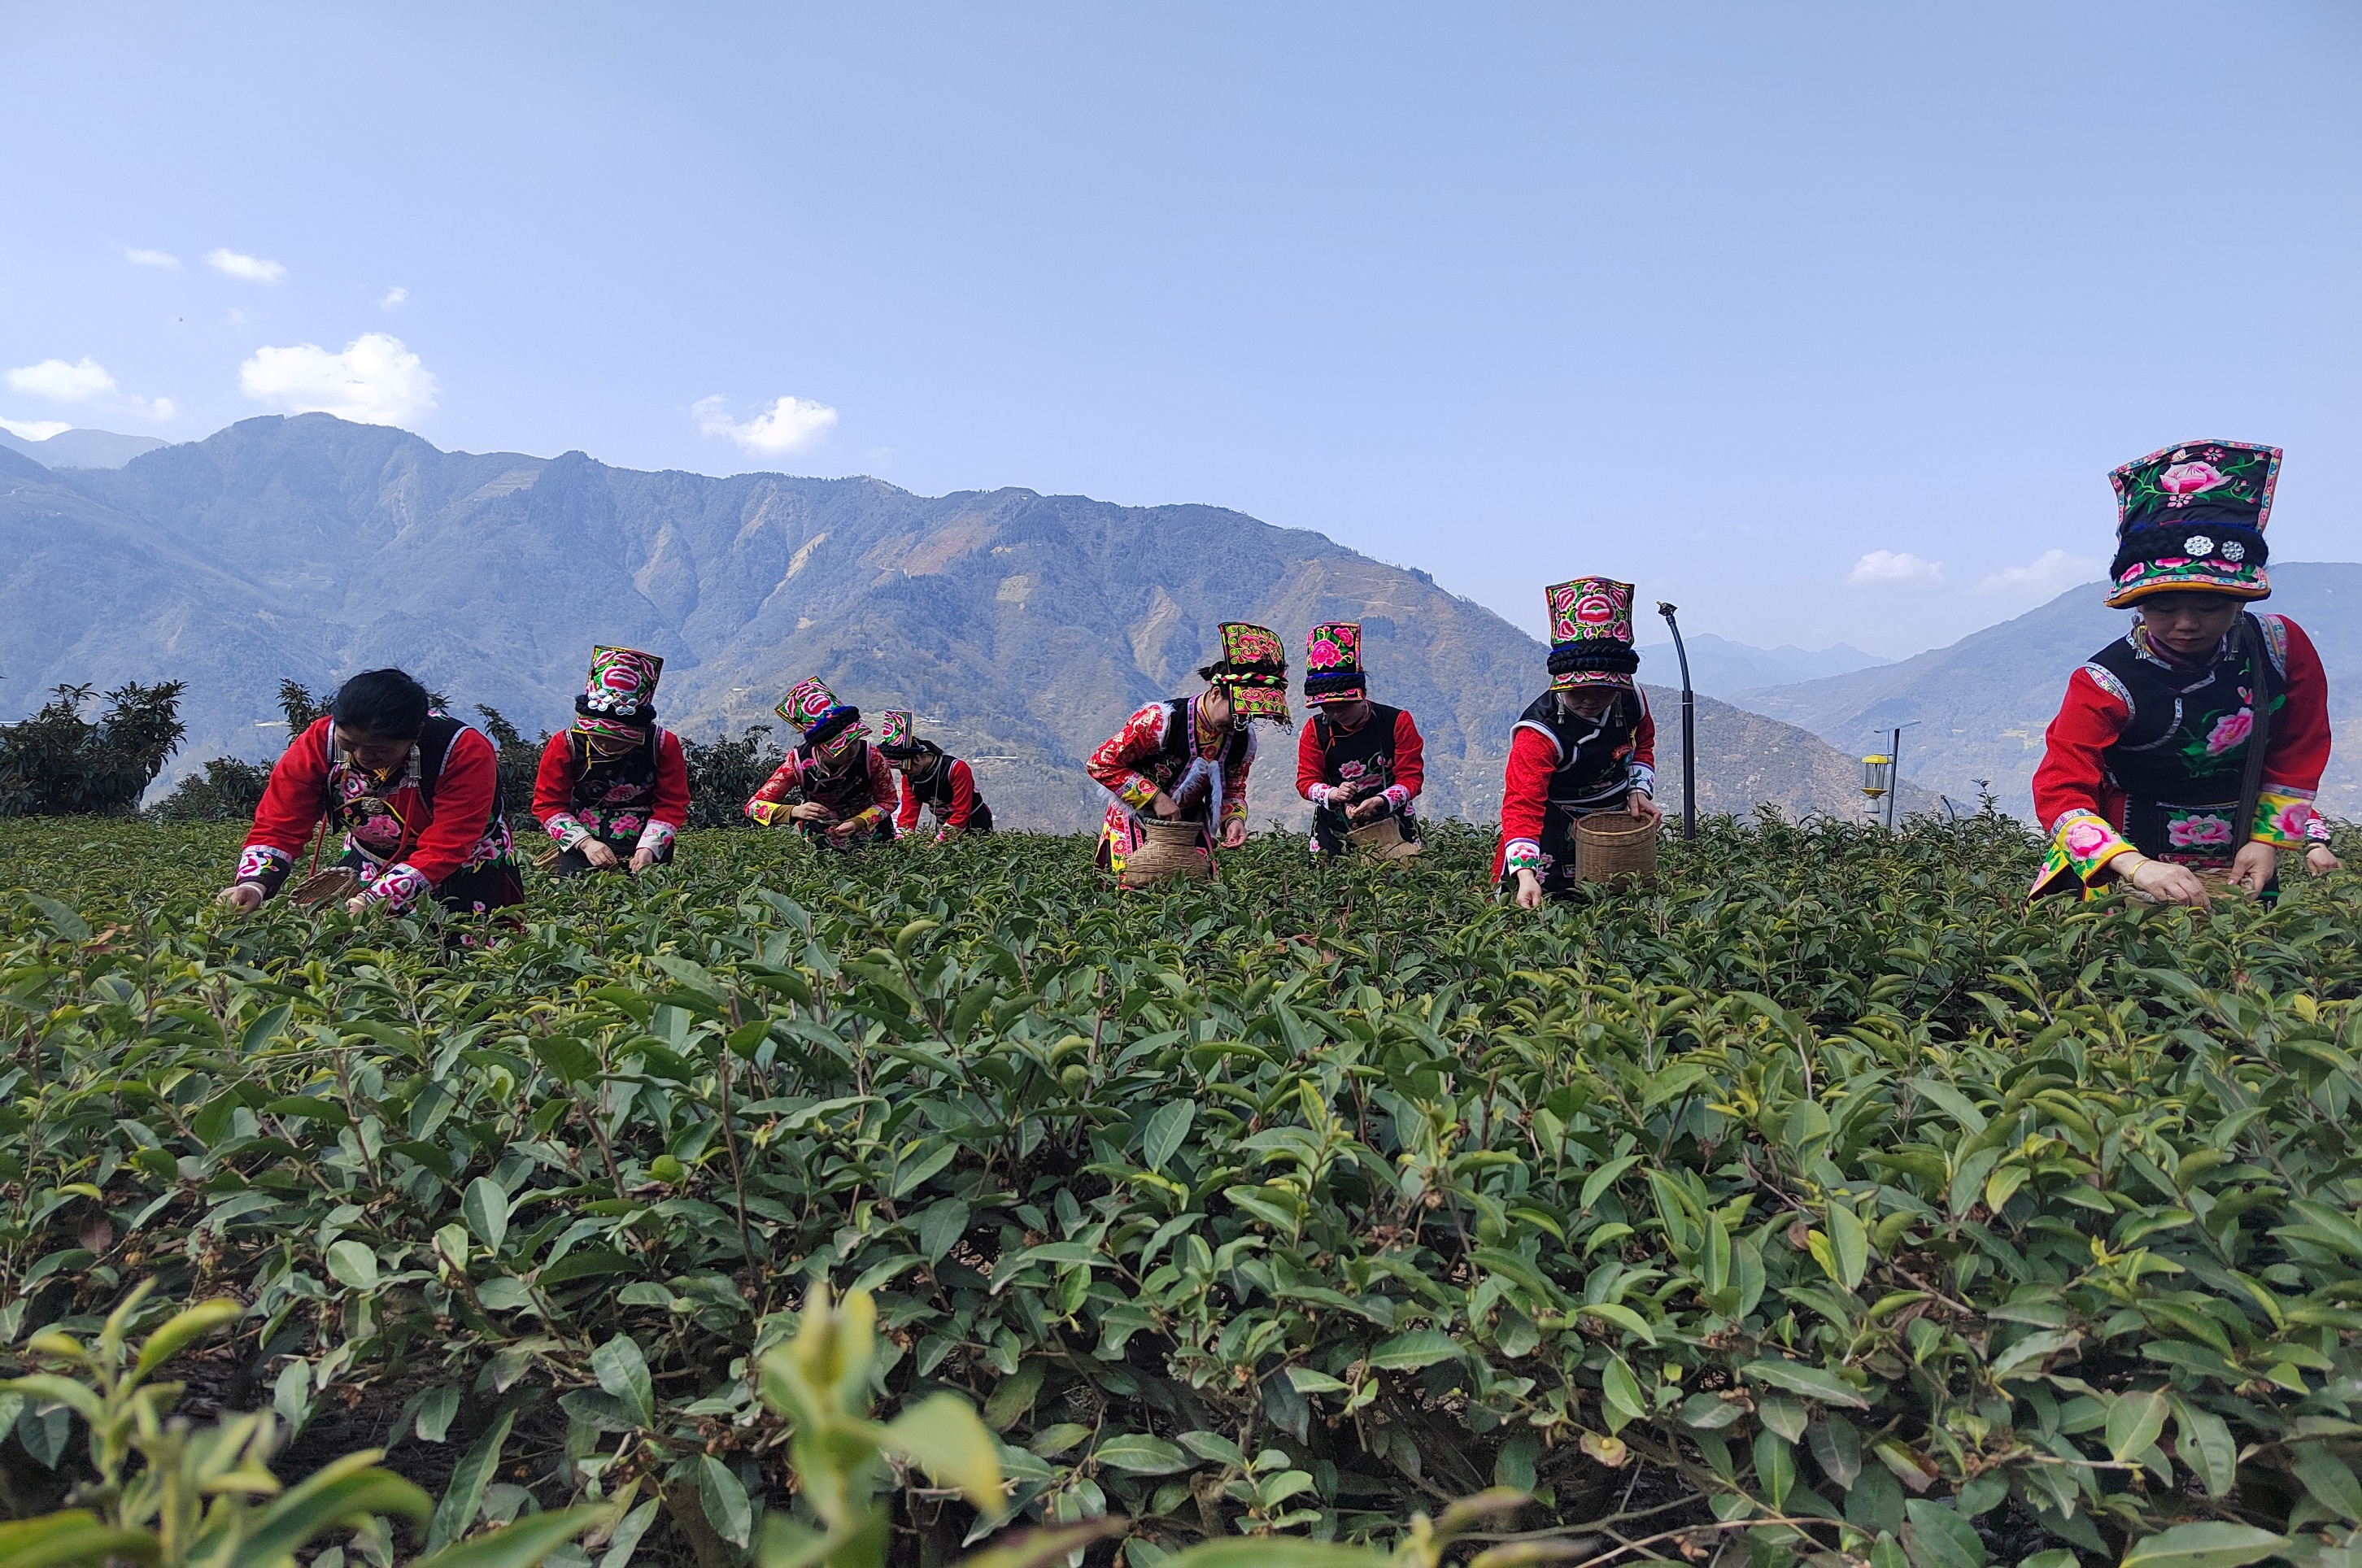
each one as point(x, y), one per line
point(1021, 628)
point(1982, 704)
point(80, 449)
point(1723, 668)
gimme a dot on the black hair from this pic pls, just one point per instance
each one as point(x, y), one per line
point(386, 703)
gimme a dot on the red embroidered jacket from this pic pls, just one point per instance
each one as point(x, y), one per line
point(455, 831)
point(1313, 780)
point(1526, 781)
point(2082, 809)
point(627, 809)
point(962, 781)
point(766, 806)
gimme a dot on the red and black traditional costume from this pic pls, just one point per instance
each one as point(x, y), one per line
point(613, 775)
point(2149, 749)
point(1562, 767)
point(1169, 747)
point(944, 784)
point(1381, 755)
point(432, 825)
point(834, 767)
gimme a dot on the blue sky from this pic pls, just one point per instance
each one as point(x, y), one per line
point(1825, 321)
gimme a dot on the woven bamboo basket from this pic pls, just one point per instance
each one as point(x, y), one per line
point(330, 887)
point(1383, 839)
point(1610, 847)
point(1168, 850)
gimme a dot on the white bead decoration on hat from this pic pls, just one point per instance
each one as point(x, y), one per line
point(2234, 551)
point(2198, 544)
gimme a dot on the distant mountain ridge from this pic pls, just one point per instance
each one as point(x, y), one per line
point(1723, 668)
point(82, 448)
point(1979, 707)
point(1021, 628)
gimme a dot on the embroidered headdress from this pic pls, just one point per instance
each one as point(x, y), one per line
point(619, 699)
point(1332, 663)
point(812, 708)
point(1254, 670)
point(1591, 634)
point(2191, 519)
point(896, 735)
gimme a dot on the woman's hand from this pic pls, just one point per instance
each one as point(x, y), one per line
point(598, 854)
point(810, 812)
point(2321, 861)
point(357, 905)
point(1234, 832)
point(2254, 866)
point(1365, 810)
point(1529, 889)
point(1643, 808)
point(246, 896)
point(642, 858)
point(2169, 883)
point(840, 832)
point(1163, 806)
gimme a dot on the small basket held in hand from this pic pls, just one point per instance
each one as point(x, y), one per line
point(1610, 847)
point(1169, 849)
point(330, 887)
point(1383, 839)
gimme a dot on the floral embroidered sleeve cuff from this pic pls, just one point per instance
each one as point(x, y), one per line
point(1523, 854)
point(1641, 777)
point(402, 886)
point(1138, 791)
point(768, 814)
point(264, 867)
point(2284, 818)
point(1399, 798)
point(566, 829)
point(2081, 846)
point(1318, 794)
point(657, 834)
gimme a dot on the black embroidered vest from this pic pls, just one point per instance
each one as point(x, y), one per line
point(934, 791)
point(2186, 744)
point(845, 794)
point(1171, 763)
point(358, 803)
point(609, 784)
point(1363, 758)
point(1591, 772)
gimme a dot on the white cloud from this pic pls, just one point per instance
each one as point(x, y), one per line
point(394, 296)
point(1895, 569)
point(157, 408)
point(164, 259)
point(253, 269)
point(35, 429)
point(376, 379)
point(2049, 574)
point(789, 424)
point(61, 382)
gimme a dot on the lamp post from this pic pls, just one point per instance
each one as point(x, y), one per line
point(1689, 725)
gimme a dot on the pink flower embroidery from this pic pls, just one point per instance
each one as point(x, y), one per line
point(2194, 833)
point(2229, 731)
point(626, 824)
point(381, 828)
point(2084, 838)
point(2189, 478)
point(1321, 656)
point(2292, 820)
point(621, 793)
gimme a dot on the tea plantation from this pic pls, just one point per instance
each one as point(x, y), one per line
point(1822, 1203)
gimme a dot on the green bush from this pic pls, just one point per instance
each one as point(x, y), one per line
point(226, 791)
point(1821, 1198)
point(59, 764)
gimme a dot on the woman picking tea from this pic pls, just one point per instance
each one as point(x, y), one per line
point(1360, 763)
point(931, 777)
point(2153, 771)
point(612, 790)
point(414, 793)
point(1587, 745)
point(835, 789)
point(1187, 759)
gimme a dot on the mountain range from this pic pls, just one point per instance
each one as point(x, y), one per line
point(80, 449)
point(1978, 708)
point(1725, 668)
point(1021, 627)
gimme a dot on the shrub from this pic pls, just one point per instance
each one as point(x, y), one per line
point(226, 791)
point(724, 773)
point(57, 763)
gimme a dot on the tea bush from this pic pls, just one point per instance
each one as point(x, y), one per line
point(1822, 1199)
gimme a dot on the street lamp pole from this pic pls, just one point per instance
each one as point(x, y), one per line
point(1895, 752)
point(1689, 725)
